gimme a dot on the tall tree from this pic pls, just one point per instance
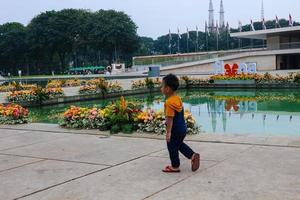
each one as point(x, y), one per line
point(13, 47)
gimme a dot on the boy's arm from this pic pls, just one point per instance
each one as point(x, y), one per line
point(169, 122)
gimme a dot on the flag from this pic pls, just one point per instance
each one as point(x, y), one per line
point(291, 23)
point(227, 28)
point(240, 26)
point(187, 33)
point(197, 32)
point(178, 32)
point(252, 26)
point(264, 24)
point(206, 29)
point(277, 22)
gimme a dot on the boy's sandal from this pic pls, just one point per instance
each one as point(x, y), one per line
point(169, 169)
point(195, 162)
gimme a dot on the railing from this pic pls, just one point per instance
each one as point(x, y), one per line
point(291, 45)
point(180, 59)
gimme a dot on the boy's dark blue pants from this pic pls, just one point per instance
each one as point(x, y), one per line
point(175, 145)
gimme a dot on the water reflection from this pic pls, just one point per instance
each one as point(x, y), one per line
point(221, 112)
point(254, 114)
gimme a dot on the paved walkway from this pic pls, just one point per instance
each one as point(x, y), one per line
point(44, 162)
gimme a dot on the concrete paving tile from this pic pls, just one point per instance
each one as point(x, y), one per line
point(31, 178)
point(133, 181)
point(260, 173)
point(42, 127)
point(217, 138)
point(211, 151)
point(27, 138)
point(8, 133)
point(294, 142)
point(92, 149)
point(9, 162)
point(278, 140)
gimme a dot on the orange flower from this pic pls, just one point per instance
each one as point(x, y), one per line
point(123, 103)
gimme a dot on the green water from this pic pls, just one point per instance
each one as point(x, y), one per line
point(260, 112)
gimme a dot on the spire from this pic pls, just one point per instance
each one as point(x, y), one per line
point(262, 11)
point(222, 14)
point(211, 17)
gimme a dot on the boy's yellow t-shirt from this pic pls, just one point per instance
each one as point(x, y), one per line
point(173, 103)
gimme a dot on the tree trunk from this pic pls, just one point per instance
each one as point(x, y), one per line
point(62, 61)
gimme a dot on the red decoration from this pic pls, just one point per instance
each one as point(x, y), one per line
point(231, 103)
point(231, 71)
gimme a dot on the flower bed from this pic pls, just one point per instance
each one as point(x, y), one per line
point(16, 87)
point(237, 77)
point(83, 118)
point(7, 88)
point(116, 117)
point(22, 96)
point(100, 86)
point(72, 83)
point(189, 81)
point(95, 81)
point(88, 89)
point(149, 83)
point(54, 92)
point(34, 95)
point(13, 114)
point(114, 87)
point(150, 121)
point(54, 84)
point(121, 116)
point(265, 79)
point(138, 84)
point(64, 83)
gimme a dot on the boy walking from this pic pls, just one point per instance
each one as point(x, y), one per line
point(176, 127)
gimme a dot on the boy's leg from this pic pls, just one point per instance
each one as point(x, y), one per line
point(173, 147)
point(186, 150)
point(190, 154)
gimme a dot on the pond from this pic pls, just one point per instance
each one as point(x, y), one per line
point(259, 112)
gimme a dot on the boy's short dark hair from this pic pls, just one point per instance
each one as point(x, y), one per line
point(171, 81)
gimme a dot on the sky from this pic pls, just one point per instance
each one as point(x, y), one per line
point(155, 17)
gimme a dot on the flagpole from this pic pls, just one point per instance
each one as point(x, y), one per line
point(241, 30)
point(187, 45)
point(227, 41)
point(197, 42)
point(178, 40)
point(170, 38)
point(217, 31)
point(170, 46)
point(206, 35)
point(217, 42)
point(178, 45)
point(228, 32)
point(187, 41)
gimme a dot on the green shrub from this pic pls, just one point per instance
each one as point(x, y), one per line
point(115, 129)
point(127, 128)
point(297, 78)
point(186, 80)
point(149, 83)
